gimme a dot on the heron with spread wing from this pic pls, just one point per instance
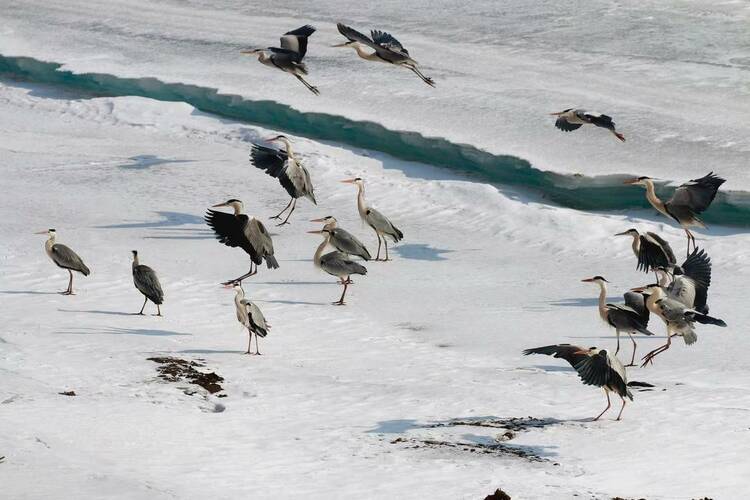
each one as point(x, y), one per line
point(651, 250)
point(572, 119)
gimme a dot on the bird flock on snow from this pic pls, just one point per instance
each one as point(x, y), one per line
point(678, 296)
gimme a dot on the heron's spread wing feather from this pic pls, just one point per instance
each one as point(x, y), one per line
point(597, 370)
point(565, 125)
point(637, 303)
point(230, 230)
point(275, 162)
point(570, 353)
point(698, 267)
point(296, 40)
point(147, 283)
point(697, 194)
point(665, 246)
point(652, 253)
point(388, 41)
point(68, 259)
point(353, 35)
point(599, 120)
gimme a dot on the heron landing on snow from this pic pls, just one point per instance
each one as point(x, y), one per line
point(387, 49)
point(251, 318)
point(373, 218)
point(651, 250)
point(147, 283)
point(64, 258)
point(289, 57)
point(573, 119)
point(595, 367)
point(336, 264)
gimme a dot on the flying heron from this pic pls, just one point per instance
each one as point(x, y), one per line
point(284, 166)
point(240, 230)
point(630, 317)
point(64, 258)
point(689, 282)
point(288, 58)
point(651, 250)
point(377, 221)
point(572, 119)
point(147, 283)
point(342, 240)
point(336, 264)
point(678, 318)
point(387, 49)
point(250, 317)
point(688, 201)
point(595, 367)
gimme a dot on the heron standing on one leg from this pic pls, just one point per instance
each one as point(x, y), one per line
point(373, 218)
point(147, 283)
point(64, 258)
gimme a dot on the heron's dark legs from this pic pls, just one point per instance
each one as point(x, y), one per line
point(257, 345)
point(158, 310)
point(341, 302)
point(429, 81)
point(278, 216)
point(386, 249)
point(618, 342)
point(635, 346)
point(69, 291)
point(309, 87)
point(377, 257)
point(145, 299)
point(619, 415)
point(609, 404)
point(294, 205)
point(649, 358)
point(249, 341)
point(235, 281)
point(691, 239)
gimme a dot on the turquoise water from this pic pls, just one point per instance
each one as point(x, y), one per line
point(574, 191)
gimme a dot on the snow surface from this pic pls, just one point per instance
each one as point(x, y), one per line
point(673, 74)
point(432, 336)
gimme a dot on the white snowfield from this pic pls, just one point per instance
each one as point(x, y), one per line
point(344, 401)
point(672, 74)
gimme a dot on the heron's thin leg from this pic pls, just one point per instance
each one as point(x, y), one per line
point(278, 216)
point(429, 81)
point(145, 299)
point(294, 205)
point(249, 341)
point(648, 358)
point(619, 415)
point(158, 310)
point(235, 281)
point(377, 257)
point(608, 405)
point(69, 290)
point(618, 341)
point(309, 87)
point(341, 300)
point(386, 248)
point(257, 345)
point(632, 359)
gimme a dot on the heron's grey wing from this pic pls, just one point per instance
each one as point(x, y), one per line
point(622, 307)
point(354, 36)
point(698, 267)
point(381, 223)
point(672, 309)
point(275, 163)
point(651, 254)
point(256, 318)
point(565, 125)
point(595, 369)
point(683, 289)
point(697, 194)
point(147, 283)
point(636, 302)
point(296, 40)
point(229, 229)
point(388, 41)
point(599, 120)
point(346, 242)
point(665, 246)
point(309, 190)
point(259, 237)
point(68, 259)
point(570, 353)
point(338, 264)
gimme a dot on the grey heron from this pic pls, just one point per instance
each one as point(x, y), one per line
point(288, 57)
point(64, 258)
point(336, 264)
point(573, 119)
point(342, 240)
point(688, 201)
point(689, 282)
point(595, 367)
point(286, 167)
point(147, 283)
point(678, 318)
point(630, 317)
point(250, 317)
point(387, 49)
point(651, 250)
point(373, 218)
point(240, 230)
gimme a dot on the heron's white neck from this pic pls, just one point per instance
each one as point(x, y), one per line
point(319, 251)
point(239, 295)
point(135, 260)
point(330, 225)
point(364, 54)
point(663, 278)
point(636, 243)
point(287, 147)
point(238, 207)
point(653, 199)
point(603, 313)
point(361, 205)
point(48, 244)
point(656, 295)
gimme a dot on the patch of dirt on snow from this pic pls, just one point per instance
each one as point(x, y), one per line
point(177, 370)
point(498, 495)
point(513, 424)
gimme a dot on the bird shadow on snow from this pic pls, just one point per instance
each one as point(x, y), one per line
point(295, 302)
point(554, 368)
point(582, 301)
point(96, 311)
point(168, 219)
point(420, 251)
point(27, 292)
point(210, 351)
point(142, 162)
point(124, 331)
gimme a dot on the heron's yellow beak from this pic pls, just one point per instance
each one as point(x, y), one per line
point(41, 232)
point(249, 51)
point(588, 280)
point(638, 289)
point(315, 232)
point(632, 181)
point(317, 220)
point(349, 181)
point(556, 114)
point(624, 233)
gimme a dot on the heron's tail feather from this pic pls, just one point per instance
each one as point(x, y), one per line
point(690, 337)
point(705, 319)
point(644, 330)
point(84, 270)
point(628, 394)
point(271, 262)
point(397, 235)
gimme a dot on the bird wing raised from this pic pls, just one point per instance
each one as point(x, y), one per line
point(598, 370)
point(652, 254)
point(229, 230)
point(697, 194)
point(566, 126)
point(388, 41)
point(636, 302)
point(698, 267)
point(383, 51)
point(296, 40)
point(147, 283)
point(570, 353)
point(68, 259)
point(599, 120)
point(665, 246)
point(275, 162)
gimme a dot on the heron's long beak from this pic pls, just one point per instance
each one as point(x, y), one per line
point(249, 51)
point(317, 220)
point(316, 232)
point(582, 351)
point(41, 232)
point(345, 44)
point(632, 181)
point(624, 233)
point(588, 280)
point(219, 205)
point(272, 139)
point(638, 289)
point(556, 114)
point(349, 181)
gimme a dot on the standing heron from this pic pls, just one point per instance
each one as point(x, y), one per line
point(387, 49)
point(240, 230)
point(286, 167)
point(342, 240)
point(64, 258)
point(688, 201)
point(289, 57)
point(595, 367)
point(630, 317)
point(573, 119)
point(250, 317)
point(678, 318)
point(651, 250)
point(336, 264)
point(147, 283)
point(377, 221)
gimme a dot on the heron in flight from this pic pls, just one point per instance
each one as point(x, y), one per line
point(342, 240)
point(250, 317)
point(651, 250)
point(286, 167)
point(387, 49)
point(336, 264)
point(689, 282)
point(64, 258)
point(630, 317)
point(147, 283)
point(678, 318)
point(573, 119)
point(289, 57)
point(377, 221)
point(595, 367)
point(688, 201)
point(240, 230)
